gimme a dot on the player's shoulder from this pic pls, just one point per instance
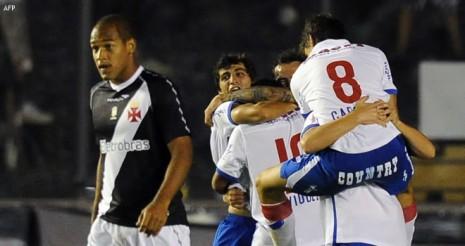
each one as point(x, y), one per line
point(222, 114)
point(226, 106)
point(371, 49)
point(158, 83)
point(152, 77)
point(98, 86)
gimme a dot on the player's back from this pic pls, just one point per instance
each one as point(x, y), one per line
point(333, 78)
point(268, 144)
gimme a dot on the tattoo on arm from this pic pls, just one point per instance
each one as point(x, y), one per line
point(261, 93)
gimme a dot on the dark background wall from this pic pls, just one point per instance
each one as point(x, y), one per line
point(181, 40)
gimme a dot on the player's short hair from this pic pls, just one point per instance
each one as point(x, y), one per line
point(227, 60)
point(268, 82)
point(290, 55)
point(321, 27)
point(121, 23)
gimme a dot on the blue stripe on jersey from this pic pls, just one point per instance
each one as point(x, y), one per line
point(335, 219)
point(391, 91)
point(308, 128)
point(227, 176)
point(352, 244)
point(230, 108)
point(306, 114)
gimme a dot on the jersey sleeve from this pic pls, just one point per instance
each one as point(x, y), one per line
point(310, 122)
point(387, 81)
point(222, 115)
point(168, 111)
point(296, 84)
point(233, 160)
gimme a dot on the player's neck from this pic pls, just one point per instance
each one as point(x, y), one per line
point(127, 73)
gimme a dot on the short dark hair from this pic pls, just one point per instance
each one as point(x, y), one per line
point(268, 82)
point(321, 27)
point(227, 60)
point(121, 23)
point(290, 55)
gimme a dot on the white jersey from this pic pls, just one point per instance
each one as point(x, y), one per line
point(221, 129)
point(365, 214)
point(336, 75)
point(258, 147)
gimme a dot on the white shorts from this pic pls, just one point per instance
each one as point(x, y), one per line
point(103, 233)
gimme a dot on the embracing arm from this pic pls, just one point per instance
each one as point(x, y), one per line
point(260, 93)
point(323, 136)
point(260, 112)
point(421, 146)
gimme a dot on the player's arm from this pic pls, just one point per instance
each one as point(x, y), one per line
point(260, 93)
point(321, 137)
point(230, 167)
point(260, 112)
point(212, 106)
point(173, 129)
point(98, 188)
point(155, 214)
point(421, 146)
point(220, 184)
point(233, 193)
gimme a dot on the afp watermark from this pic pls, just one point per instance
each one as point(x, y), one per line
point(9, 7)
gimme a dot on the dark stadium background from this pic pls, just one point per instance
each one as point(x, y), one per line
point(47, 162)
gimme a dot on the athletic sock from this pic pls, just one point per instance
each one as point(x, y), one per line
point(281, 221)
point(410, 212)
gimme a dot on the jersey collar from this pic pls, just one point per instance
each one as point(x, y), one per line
point(328, 44)
point(119, 87)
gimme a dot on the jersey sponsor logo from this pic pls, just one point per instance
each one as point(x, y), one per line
point(298, 199)
point(382, 170)
point(118, 99)
point(134, 114)
point(310, 189)
point(134, 145)
point(387, 71)
point(114, 113)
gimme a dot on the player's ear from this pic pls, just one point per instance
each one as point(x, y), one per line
point(131, 45)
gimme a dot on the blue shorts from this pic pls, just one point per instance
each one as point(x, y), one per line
point(235, 230)
point(329, 171)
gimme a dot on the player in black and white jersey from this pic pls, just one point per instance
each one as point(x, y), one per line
point(145, 146)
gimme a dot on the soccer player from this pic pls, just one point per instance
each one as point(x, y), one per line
point(234, 72)
point(351, 146)
point(252, 149)
point(145, 146)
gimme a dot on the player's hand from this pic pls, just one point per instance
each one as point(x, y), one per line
point(152, 218)
point(372, 113)
point(236, 198)
point(394, 116)
point(208, 113)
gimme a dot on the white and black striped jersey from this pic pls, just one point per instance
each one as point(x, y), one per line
point(133, 122)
